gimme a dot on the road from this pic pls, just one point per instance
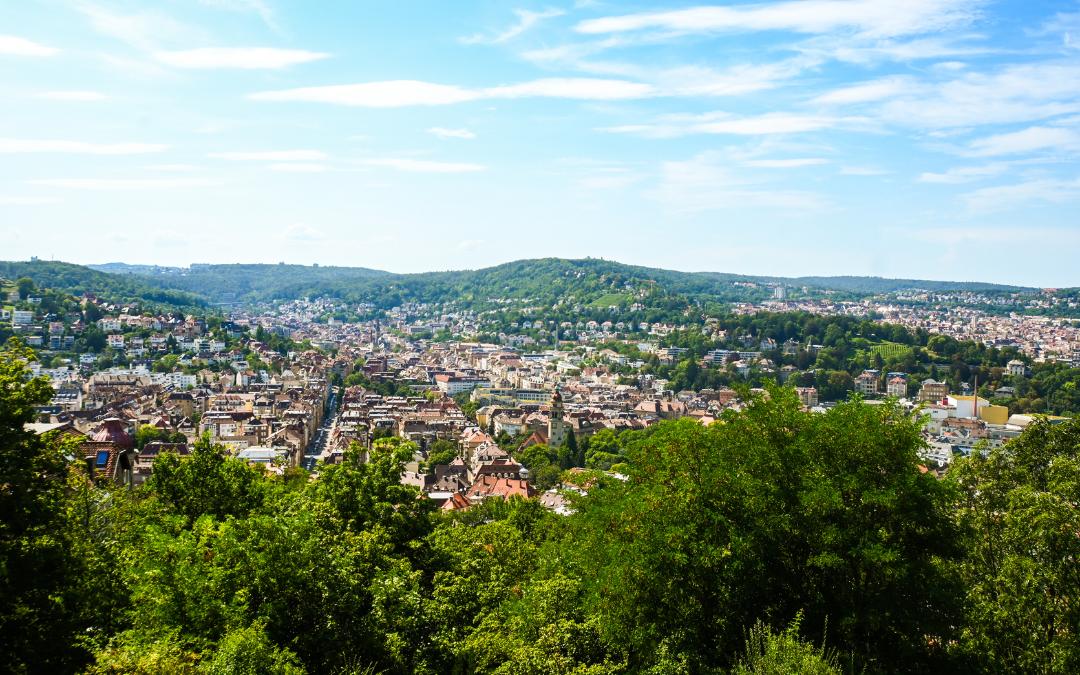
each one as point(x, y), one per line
point(318, 444)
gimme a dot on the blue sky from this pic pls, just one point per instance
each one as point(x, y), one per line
point(913, 138)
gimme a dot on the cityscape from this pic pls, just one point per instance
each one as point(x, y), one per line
point(575, 338)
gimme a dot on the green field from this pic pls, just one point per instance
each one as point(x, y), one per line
point(609, 300)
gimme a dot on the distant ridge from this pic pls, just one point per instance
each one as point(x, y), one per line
point(545, 279)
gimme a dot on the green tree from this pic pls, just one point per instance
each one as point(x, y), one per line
point(1018, 512)
point(770, 652)
point(41, 621)
point(772, 511)
point(207, 482)
point(25, 286)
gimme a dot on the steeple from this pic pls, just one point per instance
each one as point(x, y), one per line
point(556, 424)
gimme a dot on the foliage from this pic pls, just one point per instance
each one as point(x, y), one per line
point(1018, 507)
point(769, 652)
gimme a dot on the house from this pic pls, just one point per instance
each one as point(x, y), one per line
point(933, 391)
point(1017, 368)
point(808, 396)
point(896, 387)
point(494, 486)
point(867, 383)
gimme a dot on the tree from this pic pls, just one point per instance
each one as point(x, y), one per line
point(770, 652)
point(772, 511)
point(40, 601)
point(1020, 523)
point(208, 482)
point(25, 286)
point(440, 452)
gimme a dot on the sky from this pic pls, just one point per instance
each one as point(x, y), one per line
point(932, 139)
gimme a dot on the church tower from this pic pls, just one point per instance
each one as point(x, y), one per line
point(556, 424)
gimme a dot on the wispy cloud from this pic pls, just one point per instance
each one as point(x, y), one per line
point(728, 124)
point(301, 233)
point(526, 19)
point(422, 165)
point(1026, 140)
point(263, 10)
point(123, 183)
point(1005, 197)
point(20, 145)
point(243, 58)
point(965, 174)
point(15, 200)
point(443, 132)
point(73, 95)
point(1010, 94)
point(144, 29)
point(271, 156)
point(706, 183)
point(12, 45)
point(791, 163)
point(402, 93)
point(297, 167)
point(875, 18)
point(864, 92)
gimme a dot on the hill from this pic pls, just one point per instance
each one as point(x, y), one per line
point(77, 279)
point(587, 281)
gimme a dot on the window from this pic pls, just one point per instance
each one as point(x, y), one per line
point(102, 459)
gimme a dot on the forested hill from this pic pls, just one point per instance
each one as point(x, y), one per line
point(77, 279)
point(546, 280)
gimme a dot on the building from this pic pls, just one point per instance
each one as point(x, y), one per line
point(896, 387)
point(933, 391)
point(867, 383)
point(808, 396)
point(1017, 368)
point(454, 384)
point(557, 427)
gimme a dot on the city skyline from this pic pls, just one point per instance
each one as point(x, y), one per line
point(919, 139)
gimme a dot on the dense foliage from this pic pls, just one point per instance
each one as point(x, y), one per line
point(76, 280)
point(775, 541)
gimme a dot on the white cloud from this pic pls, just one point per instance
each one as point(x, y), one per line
point(875, 18)
point(257, 6)
point(1014, 93)
point(443, 132)
point(793, 163)
point(581, 88)
point(173, 167)
point(609, 178)
point(387, 94)
point(1025, 140)
point(865, 92)
point(869, 51)
point(299, 232)
point(123, 183)
point(964, 174)
point(423, 166)
point(144, 30)
point(14, 200)
point(722, 123)
point(271, 156)
point(297, 167)
point(706, 183)
point(19, 145)
point(862, 171)
point(11, 45)
point(1004, 197)
point(401, 93)
point(245, 58)
point(470, 244)
point(72, 95)
point(526, 20)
